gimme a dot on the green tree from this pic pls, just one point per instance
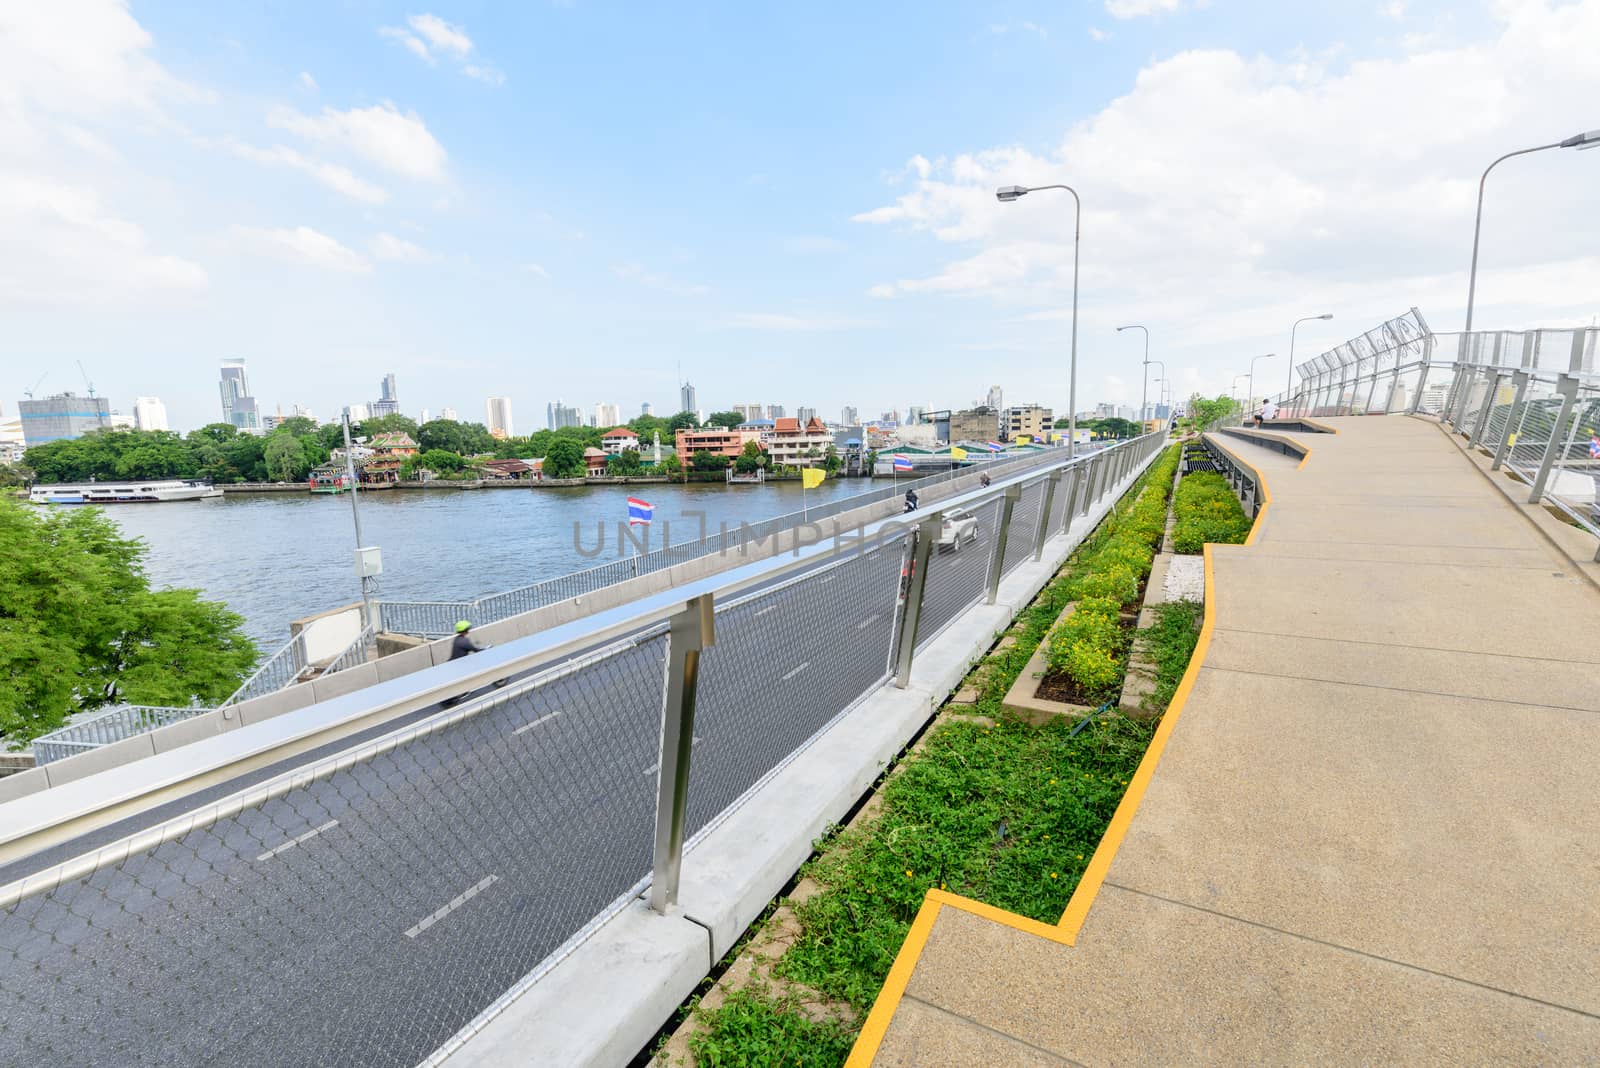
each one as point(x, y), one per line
point(752, 459)
point(285, 458)
point(439, 461)
point(564, 459)
point(465, 439)
point(626, 462)
point(16, 475)
point(214, 432)
point(300, 427)
point(1207, 413)
point(670, 465)
point(728, 420)
point(80, 626)
point(704, 460)
point(831, 461)
point(682, 421)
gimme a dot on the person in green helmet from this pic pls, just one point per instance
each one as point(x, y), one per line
point(463, 644)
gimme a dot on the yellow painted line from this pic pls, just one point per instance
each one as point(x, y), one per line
point(1066, 931)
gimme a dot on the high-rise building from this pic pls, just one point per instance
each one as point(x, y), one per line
point(150, 414)
point(63, 415)
point(238, 404)
point(994, 399)
point(302, 412)
point(775, 411)
point(646, 408)
point(423, 416)
point(388, 390)
point(750, 411)
point(607, 415)
point(558, 415)
point(686, 398)
point(804, 414)
point(450, 414)
point(498, 410)
point(917, 413)
point(356, 413)
point(847, 416)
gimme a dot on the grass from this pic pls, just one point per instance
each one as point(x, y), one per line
point(752, 1028)
point(1169, 643)
point(1205, 510)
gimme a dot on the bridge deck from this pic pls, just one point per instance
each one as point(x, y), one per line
point(1371, 836)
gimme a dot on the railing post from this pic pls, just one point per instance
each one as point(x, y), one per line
point(1093, 494)
point(1043, 530)
point(924, 538)
point(997, 561)
point(1567, 386)
point(1422, 375)
point(1520, 379)
point(1463, 396)
point(691, 630)
point(1485, 408)
point(1070, 512)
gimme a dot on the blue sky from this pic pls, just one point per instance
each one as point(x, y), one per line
point(568, 201)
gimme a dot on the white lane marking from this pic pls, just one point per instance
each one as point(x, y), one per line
point(455, 903)
point(653, 768)
point(291, 843)
point(535, 723)
point(764, 611)
point(865, 623)
point(796, 671)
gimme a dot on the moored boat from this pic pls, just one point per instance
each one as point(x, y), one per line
point(130, 492)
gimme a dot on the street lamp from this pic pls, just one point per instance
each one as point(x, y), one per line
point(1163, 377)
point(1006, 194)
point(1289, 384)
point(1233, 390)
point(1578, 141)
point(1144, 381)
point(1250, 390)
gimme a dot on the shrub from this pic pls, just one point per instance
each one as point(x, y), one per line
point(1116, 582)
point(1087, 647)
point(1207, 511)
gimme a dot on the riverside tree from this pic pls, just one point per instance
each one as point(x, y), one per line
point(80, 626)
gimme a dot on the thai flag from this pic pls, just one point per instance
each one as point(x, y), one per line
point(994, 446)
point(902, 462)
point(640, 511)
point(1594, 448)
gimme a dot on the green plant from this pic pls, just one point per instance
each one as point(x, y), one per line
point(1169, 643)
point(1116, 582)
point(1205, 510)
point(752, 1028)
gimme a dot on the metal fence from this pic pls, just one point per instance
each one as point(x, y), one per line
point(370, 908)
point(1530, 400)
point(437, 619)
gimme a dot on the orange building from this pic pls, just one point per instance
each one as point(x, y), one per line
point(715, 440)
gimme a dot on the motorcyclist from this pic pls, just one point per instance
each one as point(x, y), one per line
point(911, 500)
point(463, 645)
point(983, 480)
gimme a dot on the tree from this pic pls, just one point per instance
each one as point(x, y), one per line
point(683, 421)
point(285, 458)
point(564, 459)
point(214, 432)
point(299, 426)
point(465, 439)
point(16, 474)
point(727, 420)
point(752, 459)
point(626, 462)
point(670, 465)
point(80, 627)
point(439, 461)
point(703, 460)
point(1206, 413)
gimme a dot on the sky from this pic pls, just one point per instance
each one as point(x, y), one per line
point(792, 204)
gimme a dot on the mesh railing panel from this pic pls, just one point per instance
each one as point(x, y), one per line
point(362, 917)
point(956, 575)
point(787, 662)
point(1024, 524)
point(1574, 482)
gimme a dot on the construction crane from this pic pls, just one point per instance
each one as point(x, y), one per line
point(99, 418)
point(29, 392)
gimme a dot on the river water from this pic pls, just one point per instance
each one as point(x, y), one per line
point(275, 557)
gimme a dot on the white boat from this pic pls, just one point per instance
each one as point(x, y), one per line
point(123, 492)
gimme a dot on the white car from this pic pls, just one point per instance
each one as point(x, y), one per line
point(959, 527)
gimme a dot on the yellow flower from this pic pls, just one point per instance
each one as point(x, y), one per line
point(1080, 856)
point(1052, 875)
point(908, 874)
point(1047, 838)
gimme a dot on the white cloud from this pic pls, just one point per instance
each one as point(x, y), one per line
point(1395, 9)
point(390, 248)
point(633, 272)
point(430, 37)
point(340, 179)
point(1228, 191)
point(793, 323)
point(307, 81)
point(1134, 9)
point(383, 134)
point(301, 245)
point(1097, 34)
point(535, 269)
point(1000, 29)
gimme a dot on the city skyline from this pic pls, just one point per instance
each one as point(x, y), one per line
point(224, 167)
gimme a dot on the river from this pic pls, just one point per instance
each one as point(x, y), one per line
point(275, 557)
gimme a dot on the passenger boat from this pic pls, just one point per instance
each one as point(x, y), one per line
point(135, 492)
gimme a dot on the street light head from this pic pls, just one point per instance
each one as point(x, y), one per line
point(1327, 316)
point(1008, 193)
point(1583, 140)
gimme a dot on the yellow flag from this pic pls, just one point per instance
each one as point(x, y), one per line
point(1055, 437)
point(1025, 438)
point(811, 477)
point(957, 453)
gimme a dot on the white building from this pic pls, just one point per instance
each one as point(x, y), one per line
point(498, 410)
point(607, 414)
point(646, 408)
point(357, 412)
point(792, 443)
point(618, 439)
point(424, 416)
point(450, 414)
point(150, 414)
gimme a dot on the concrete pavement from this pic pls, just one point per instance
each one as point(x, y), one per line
point(1366, 835)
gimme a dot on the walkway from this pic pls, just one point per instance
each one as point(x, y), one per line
point(1373, 835)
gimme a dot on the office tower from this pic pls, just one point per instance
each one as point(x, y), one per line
point(357, 413)
point(450, 414)
point(917, 413)
point(150, 414)
point(388, 390)
point(388, 402)
point(848, 417)
point(499, 413)
point(238, 404)
point(558, 415)
point(775, 411)
point(686, 398)
point(804, 414)
point(994, 400)
point(423, 416)
point(302, 412)
point(647, 408)
point(607, 415)
point(63, 415)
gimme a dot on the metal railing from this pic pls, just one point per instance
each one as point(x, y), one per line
point(437, 619)
point(1530, 400)
point(428, 872)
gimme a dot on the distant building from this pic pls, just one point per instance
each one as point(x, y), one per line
point(558, 415)
point(750, 411)
point(357, 413)
point(594, 462)
point(150, 414)
point(388, 402)
point(916, 413)
point(848, 416)
point(118, 421)
point(450, 414)
point(715, 440)
point(646, 408)
point(798, 444)
point(618, 439)
point(1029, 419)
point(238, 404)
point(607, 414)
point(975, 424)
point(995, 399)
point(804, 414)
point(302, 412)
point(63, 415)
point(775, 411)
point(423, 416)
point(498, 410)
point(686, 399)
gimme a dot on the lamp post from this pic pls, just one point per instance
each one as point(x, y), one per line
point(1006, 194)
point(1289, 382)
point(1250, 389)
point(1233, 390)
point(1163, 376)
point(1578, 141)
point(1144, 380)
